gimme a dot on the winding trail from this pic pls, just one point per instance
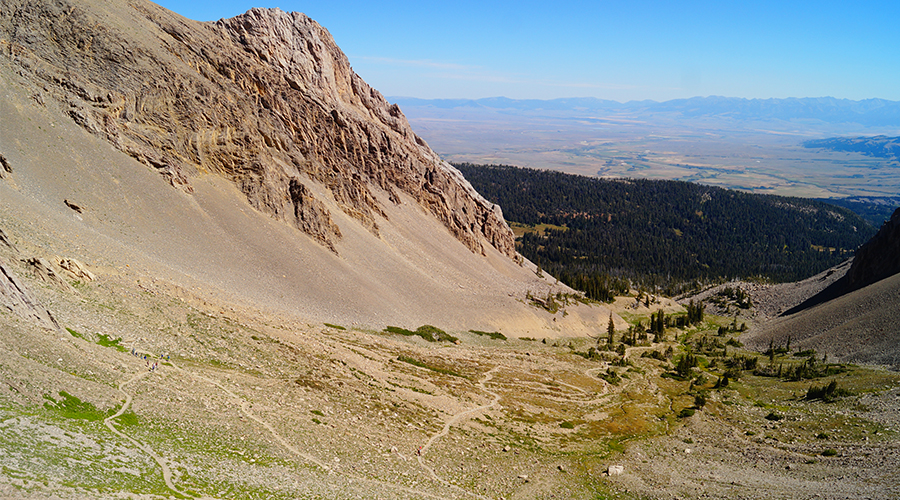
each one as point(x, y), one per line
point(446, 430)
point(166, 472)
point(245, 409)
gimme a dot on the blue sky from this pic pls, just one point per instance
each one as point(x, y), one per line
point(615, 50)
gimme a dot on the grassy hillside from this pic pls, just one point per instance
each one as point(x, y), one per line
point(665, 233)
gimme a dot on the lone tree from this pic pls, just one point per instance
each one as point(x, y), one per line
point(658, 326)
point(610, 330)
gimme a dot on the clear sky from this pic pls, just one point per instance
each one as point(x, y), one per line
point(619, 50)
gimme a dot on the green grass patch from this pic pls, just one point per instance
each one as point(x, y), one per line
point(102, 340)
point(69, 406)
point(75, 334)
point(105, 341)
point(520, 230)
point(129, 418)
point(336, 327)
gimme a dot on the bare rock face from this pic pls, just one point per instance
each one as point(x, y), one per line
point(6, 242)
point(265, 99)
point(16, 299)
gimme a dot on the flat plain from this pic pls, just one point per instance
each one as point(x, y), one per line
point(761, 157)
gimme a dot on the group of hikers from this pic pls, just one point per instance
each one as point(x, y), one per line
point(151, 366)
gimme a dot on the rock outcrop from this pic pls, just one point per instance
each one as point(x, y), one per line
point(17, 300)
point(265, 99)
point(43, 270)
point(75, 269)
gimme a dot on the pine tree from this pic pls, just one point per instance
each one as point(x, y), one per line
point(610, 330)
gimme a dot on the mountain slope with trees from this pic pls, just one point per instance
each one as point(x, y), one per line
point(878, 146)
point(666, 234)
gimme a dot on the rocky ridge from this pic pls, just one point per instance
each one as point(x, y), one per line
point(265, 99)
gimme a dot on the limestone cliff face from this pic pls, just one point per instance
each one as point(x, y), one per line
point(265, 99)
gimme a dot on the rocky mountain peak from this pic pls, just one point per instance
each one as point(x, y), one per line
point(265, 99)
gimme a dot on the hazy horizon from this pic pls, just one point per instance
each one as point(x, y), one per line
point(636, 100)
point(648, 50)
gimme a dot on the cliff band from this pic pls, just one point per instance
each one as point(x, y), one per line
point(265, 99)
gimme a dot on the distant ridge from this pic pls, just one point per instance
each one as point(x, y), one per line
point(879, 146)
point(867, 112)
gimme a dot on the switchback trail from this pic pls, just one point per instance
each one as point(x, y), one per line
point(166, 472)
point(453, 420)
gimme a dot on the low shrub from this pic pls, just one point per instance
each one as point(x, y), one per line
point(427, 332)
point(610, 376)
point(493, 335)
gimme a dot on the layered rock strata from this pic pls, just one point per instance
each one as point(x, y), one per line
point(265, 99)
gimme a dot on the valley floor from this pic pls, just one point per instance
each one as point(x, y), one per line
point(150, 392)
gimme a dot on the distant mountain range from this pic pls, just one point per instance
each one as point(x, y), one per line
point(868, 112)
